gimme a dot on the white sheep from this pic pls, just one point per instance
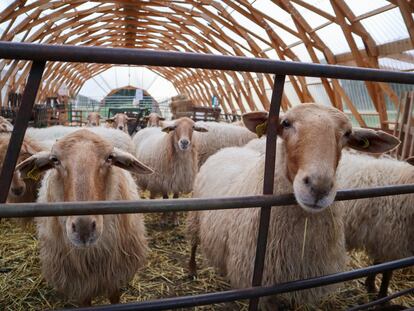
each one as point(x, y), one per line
point(172, 153)
point(88, 256)
point(47, 136)
point(220, 135)
point(305, 240)
point(381, 226)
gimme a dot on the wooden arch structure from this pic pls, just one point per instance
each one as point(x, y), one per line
point(227, 27)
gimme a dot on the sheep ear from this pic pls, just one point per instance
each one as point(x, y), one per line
point(28, 149)
point(410, 160)
point(372, 141)
point(35, 165)
point(256, 122)
point(161, 118)
point(169, 128)
point(128, 162)
point(199, 128)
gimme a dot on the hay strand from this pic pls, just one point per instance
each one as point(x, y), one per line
point(165, 275)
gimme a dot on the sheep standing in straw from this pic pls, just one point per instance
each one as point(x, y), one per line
point(382, 226)
point(172, 153)
point(88, 256)
point(305, 240)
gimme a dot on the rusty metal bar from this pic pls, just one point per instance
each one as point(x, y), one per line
point(102, 55)
point(22, 119)
point(382, 300)
point(181, 205)
point(41, 53)
point(252, 292)
point(268, 182)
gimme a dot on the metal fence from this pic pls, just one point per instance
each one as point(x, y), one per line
point(39, 54)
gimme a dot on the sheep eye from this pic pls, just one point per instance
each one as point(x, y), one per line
point(55, 160)
point(110, 158)
point(347, 134)
point(286, 124)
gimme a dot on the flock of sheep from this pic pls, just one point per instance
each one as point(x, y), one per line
point(95, 255)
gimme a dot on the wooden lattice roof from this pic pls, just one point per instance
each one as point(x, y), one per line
point(281, 29)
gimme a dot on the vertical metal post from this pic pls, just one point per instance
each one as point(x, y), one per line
point(268, 182)
point(22, 120)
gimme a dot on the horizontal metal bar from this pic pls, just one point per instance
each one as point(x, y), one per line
point(177, 205)
point(102, 55)
point(382, 300)
point(253, 292)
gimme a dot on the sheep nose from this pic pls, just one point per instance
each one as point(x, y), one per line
point(93, 123)
point(184, 143)
point(84, 230)
point(120, 127)
point(17, 191)
point(319, 186)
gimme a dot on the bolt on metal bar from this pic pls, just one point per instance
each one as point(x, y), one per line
point(10, 210)
point(268, 183)
point(22, 120)
point(252, 292)
point(102, 55)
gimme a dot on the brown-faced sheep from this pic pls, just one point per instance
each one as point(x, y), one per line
point(21, 190)
point(308, 153)
point(119, 121)
point(172, 153)
point(154, 120)
point(87, 256)
point(94, 119)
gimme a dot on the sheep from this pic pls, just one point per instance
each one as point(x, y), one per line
point(88, 256)
point(258, 144)
point(220, 135)
point(172, 153)
point(308, 152)
point(21, 190)
point(5, 125)
point(119, 121)
point(154, 120)
point(382, 226)
point(47, 136)
point(93, 119)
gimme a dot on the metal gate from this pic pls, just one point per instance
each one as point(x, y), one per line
point(39, 54)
